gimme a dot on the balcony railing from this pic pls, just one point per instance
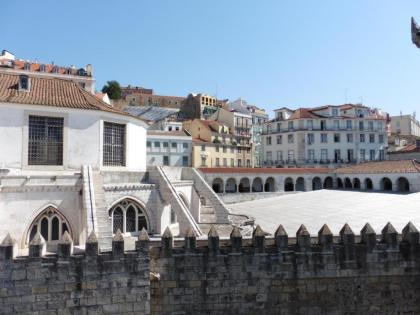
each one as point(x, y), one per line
point(280, 163)
point(285, 130)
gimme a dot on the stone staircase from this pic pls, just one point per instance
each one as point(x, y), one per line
point(207, 214)
point(103, 227)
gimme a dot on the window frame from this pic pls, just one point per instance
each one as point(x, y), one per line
point(46, 144)
point(25, 141)
point(124, 150)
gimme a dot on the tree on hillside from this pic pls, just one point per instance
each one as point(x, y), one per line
point(113, 89)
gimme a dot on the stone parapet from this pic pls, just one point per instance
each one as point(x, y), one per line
point(348, 273)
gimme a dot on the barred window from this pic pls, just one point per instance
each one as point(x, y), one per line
point(45, 145)
point(114, 144)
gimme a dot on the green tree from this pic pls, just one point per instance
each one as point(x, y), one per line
point(113, 89)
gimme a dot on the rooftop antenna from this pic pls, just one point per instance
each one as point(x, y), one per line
point(361, 99)
point(346, 95)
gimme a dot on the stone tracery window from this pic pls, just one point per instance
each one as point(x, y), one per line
point(50, 224)
point(128, 216)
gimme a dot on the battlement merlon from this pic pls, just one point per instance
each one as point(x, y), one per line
point(345, 251)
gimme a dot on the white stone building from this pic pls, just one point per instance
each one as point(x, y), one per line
point(168, 148)
point(70, 162)
point(325, 136)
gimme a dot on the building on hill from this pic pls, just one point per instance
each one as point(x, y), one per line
point(168, 148)
point(405, 125)
point(138, 96)
point(259, 117)
point(82, 76)
point(325, 136)
point(213, 144)
point(159, 118)
point(240, 125)
point(200, 106)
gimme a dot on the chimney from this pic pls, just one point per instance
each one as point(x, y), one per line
point(89, 70)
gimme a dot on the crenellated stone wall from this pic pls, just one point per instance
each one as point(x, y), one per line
point(329, 274)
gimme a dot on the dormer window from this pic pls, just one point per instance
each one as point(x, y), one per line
point(42, 68)
point(24, 83)
point(55, 69)
point(27, 66)
point(81, 72)
point(68, 71)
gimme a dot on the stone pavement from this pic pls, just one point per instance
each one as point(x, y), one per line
point(333, 207)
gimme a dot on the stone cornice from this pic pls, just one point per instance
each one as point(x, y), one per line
point(128, 187)
point(40, 188)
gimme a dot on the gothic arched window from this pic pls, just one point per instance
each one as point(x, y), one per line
point(128, 216)
point(50, 224)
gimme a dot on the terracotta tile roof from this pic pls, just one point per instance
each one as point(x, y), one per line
point(411, 148)
point(211, 124)
point(402, 166)
point(198, 141)
point(265, 170)
point(52, 92)
point(303, 113)
point(49, 68)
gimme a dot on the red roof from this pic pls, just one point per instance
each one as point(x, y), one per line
point(411, 148)
point(303, 113)
point(294, 170)
point(52, 92)
point(381, 167)
point(49, 68)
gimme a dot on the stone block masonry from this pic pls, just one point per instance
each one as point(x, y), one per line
point(344, 274)
point(116, 282)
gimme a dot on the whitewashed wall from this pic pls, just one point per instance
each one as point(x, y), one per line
point(83, 137)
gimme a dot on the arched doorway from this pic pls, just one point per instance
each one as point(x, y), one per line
point(347, 183)
point(300, 184)
point(340, 183)
point(244, 186)
point(288, 184)
point(316, 183)
point(217, 185)
point(257, 185)
point(270, 184)
point(403, 184)
point(328, 183)
point(231, 186)
point(356, 183)
point(129, 217)
point(368, 184)
point(386, 184)
point(51, 224)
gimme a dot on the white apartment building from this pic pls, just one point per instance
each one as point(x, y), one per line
point(168, 148)
point(325, 136)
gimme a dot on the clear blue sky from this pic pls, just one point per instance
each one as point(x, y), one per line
point(272, 53)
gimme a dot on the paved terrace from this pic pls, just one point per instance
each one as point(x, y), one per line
point(333, 207)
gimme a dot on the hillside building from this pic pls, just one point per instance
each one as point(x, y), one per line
point(259, 117)
point(82, 76)
point(240, 124)
point(325, 136)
